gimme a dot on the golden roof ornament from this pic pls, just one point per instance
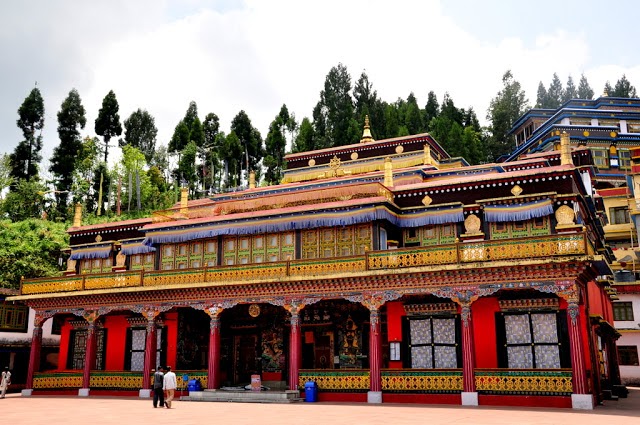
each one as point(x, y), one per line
point(366, 134)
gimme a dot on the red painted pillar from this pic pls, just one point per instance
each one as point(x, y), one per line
point(468, 357)
point(213, 373)
point(295, 350)
point(34, 355)
point(577, 353)
point(90, 354)
point(149, 353)
point(375, 352)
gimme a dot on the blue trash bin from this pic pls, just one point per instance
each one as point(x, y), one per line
point(194, 385)
point(310, 392)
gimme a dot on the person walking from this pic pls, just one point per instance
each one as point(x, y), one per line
point(169, 386)
point(158, 383)
point(5, 382)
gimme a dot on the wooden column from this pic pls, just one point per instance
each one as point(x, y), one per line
point(468, 357)
point(213, 371)
point(149, 353)
point(295, 348)
point(578, 366)
point(375, 352)
point(90, 354)
point(34, 355)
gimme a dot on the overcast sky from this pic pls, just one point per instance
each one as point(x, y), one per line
point(251, 55)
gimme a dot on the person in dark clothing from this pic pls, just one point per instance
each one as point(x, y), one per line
point(158, 392)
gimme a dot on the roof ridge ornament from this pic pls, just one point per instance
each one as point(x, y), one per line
point(366, 133)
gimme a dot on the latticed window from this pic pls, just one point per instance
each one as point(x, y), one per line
point(619, 215)
point(434, 343)
point(623, 311)
point(78, 347)
point(628, 355)
point(600, 157)
point(532, 340)
point(13, 318)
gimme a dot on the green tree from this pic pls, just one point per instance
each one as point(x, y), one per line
point(431, 110)
point(187, 164)
point(472, 141)
point(541, 98)
point(210, 151)
point(368, 103)
point(584, 89)
point(275, 144)
point(86, 162)
point(6, 179)
point(140, 132)
point(25, 201)
point(570, 91)
point(607, 89)
point(133, 163)
point(413, 115)
point(334, 111)
point(108, 124)
point(504, 109)
point(250, 141)
point(180, 139)
point(305, 140)
point(30, 248)
point(71, 119)
point(26, 156)
point(555, 93)
point(623, 88)
point(231, 151)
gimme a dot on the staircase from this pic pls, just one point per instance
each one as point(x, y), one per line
point(244, 396)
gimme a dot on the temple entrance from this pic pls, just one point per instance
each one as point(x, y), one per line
point(246, 358)
point(253, 341)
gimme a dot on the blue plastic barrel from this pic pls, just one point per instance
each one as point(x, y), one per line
point(310, 392)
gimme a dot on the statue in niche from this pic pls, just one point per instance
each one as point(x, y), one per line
point(350, 352)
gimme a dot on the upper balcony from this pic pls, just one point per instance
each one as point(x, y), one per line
point(480, 254)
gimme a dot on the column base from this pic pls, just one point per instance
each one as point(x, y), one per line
point(27, 393)
point(374, 397)
point(582, 401)
point(469, 398)
point(83, 392)
point(144, 393)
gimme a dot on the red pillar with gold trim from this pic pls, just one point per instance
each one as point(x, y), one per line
point(34, 356)
point(469, 395)
point(213, 372)
point(295, 349)
point(90, 358)
point(375, 357)
point(581, 398)
point(149, 353)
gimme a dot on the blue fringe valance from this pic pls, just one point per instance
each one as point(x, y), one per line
point(518, 212)
point(134, 248)
point(306, 221)
point(91, 252)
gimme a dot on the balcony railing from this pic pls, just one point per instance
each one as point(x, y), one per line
point(524, 381)
point(457, 253)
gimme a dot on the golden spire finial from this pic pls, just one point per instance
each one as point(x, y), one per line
point(366, 134)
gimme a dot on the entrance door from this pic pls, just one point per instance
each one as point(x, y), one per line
point(324, 351)
point(246, 358)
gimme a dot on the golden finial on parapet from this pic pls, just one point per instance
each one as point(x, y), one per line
point(388, 172)
point(366, 134)
point(565, 149)
point(77, 215)
point(252, 179)
point(427, 155)
point(184, 200)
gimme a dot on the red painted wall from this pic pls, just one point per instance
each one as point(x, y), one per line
point(116, 327)
point(595, 299)
point(395, 313)
point(65, 331)
point(171, 322)
point(484, 331)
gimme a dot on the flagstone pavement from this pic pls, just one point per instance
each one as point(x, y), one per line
point(70, 410)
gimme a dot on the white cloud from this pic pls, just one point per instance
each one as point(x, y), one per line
point(258, 55)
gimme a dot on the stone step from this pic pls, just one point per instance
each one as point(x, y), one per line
point(244, 396)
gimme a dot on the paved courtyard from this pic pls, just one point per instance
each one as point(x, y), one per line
point(119, 411)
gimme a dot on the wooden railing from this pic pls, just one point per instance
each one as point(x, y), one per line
point(107, 380)
point(524, 381)
point(456, 253)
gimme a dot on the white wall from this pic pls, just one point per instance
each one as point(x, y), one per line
point(630, 331)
